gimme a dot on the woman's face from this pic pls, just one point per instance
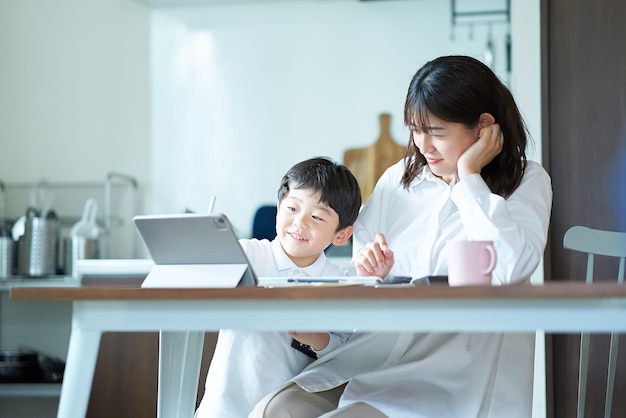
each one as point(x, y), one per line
point(442, 143)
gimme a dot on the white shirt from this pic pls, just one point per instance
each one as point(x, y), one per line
point(439, 375)
point(248, 365)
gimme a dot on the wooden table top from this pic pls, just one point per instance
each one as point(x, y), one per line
point(553, 290)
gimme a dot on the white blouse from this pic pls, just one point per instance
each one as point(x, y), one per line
point(439, 375)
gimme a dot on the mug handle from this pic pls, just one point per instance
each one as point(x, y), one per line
point(492, 259)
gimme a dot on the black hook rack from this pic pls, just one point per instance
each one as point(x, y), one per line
point(479, 16)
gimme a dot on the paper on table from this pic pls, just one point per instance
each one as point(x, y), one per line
point(113, 267)
point(316, 281)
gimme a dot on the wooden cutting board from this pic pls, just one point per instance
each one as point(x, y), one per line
point(368, 163)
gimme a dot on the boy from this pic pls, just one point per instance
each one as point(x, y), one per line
point(318, 201)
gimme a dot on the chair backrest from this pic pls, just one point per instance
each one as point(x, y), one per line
point(605, 243)
point(597, 242)
point(264, 222)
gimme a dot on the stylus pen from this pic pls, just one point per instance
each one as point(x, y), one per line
point(312, 281)
point(211, 204)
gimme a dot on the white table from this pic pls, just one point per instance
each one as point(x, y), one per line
point(183, 315)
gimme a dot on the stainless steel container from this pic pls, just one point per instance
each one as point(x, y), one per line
point(79, 248)
point(6, 256)
point(37, 247)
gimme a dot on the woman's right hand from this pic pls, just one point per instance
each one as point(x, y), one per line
point(375, 259)
point(480, 153)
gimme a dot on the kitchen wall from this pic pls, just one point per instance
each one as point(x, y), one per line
point(74, 98)
point(240, 92)
point(223, 98)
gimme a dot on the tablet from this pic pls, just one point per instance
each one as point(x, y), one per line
point(193, 250)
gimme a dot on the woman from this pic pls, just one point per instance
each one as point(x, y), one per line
point(465, 176)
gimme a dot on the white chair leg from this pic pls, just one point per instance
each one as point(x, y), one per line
point(180, 356)
point(610, 379)
point(582, 376)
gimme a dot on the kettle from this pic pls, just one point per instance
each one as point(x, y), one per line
point(84, 240)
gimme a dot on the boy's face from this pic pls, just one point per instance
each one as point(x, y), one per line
point(305, 226)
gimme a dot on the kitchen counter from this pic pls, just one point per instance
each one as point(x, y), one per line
point(53, 281)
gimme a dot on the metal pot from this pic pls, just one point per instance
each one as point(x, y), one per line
point(19, 367)
point(29, 366)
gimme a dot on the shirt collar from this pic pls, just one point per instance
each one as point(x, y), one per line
point(426, 174)
point(284, 263)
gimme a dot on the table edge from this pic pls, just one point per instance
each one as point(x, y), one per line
point(551, 290)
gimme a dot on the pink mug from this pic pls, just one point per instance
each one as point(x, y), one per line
point(470, 263)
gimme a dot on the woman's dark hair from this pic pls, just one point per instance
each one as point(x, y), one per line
point(459, 89)
point(337, 186)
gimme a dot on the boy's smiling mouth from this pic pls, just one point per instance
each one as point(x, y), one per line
point(296, 236)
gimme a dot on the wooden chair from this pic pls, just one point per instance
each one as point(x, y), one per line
point(605, 243)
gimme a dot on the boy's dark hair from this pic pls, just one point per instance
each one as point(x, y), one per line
point(337, 186)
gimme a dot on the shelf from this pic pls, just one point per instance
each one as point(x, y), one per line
point(52, 281)
point(117, 199)
point(30, 389)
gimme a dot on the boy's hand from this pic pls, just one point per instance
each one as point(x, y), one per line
point(481, 152)
point(316, 340)
point(375, 259)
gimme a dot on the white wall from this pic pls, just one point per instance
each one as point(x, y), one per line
point(526, 82)
point(219, 99)
point(74, 99)
point(241, 92)
point(75, 89)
